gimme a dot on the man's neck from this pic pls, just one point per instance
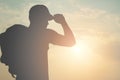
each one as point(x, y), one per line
point(36, 28)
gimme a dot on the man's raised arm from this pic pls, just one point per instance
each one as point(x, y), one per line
point(68, 38)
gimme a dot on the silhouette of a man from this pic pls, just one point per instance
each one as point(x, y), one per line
point(25, 50)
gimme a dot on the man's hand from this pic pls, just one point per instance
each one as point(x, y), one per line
point(59, 18)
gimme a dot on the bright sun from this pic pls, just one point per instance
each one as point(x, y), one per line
point(82, 51)
point(81, 47)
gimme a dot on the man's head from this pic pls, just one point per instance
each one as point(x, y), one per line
point(39, 13)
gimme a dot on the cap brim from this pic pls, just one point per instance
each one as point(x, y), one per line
point(50, 17)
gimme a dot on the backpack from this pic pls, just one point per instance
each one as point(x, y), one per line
point(8, 42)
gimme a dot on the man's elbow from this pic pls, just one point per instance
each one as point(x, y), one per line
point(72, 43)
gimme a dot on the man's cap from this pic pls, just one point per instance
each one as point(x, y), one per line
point(40, 11)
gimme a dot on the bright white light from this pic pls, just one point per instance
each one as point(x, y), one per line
point(82, 51)
point(82, 47)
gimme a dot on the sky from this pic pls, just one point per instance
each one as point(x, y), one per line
point(96, 26)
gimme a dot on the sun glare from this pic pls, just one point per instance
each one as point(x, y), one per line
point(82, 47)
point(82, 51)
